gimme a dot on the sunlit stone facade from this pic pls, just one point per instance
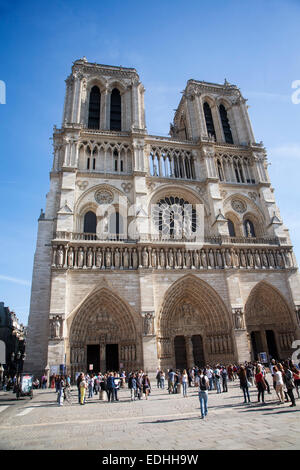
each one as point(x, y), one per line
point(158, 251)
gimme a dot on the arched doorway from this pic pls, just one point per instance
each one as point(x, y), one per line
point(104, 335)
point(269, 322)
point(194, 327)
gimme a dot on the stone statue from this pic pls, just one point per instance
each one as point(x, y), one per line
point(60, 256)
point(99, 258)
point(108, 258)
point(80, 258)
point(126, 259)
point(153, 258)
point(145, 258)
point(238, 319)
point(148, 324)
point(264, 259)
point(271, 259)
point(243, 259)
point(89, 258)
point(134, 259)
point(196, 259)
point(162, 258)
point(179, 259)
point(211, 259)
point(257, 259)
point(57, 327)
point(70, 257)
point(117, 259)
point(203, 259)
point(219, 259)
point(228, 258)
point(250, 259)
point(171, 258)
point(187, 259)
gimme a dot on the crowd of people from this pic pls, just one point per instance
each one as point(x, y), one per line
point(285, 378)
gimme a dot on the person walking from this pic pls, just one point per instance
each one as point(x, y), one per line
point(210, 376)
point(162, 380)
point(146, 386)
point(83, 387)
point(244, 383)
point(60, 389)
point(110, 387)
point(289, 382)
point(260, 384)
point(224, 379)
point(184, 382)
point(91, 381)
point(217, 378)
point(117, 381)
point(278, 379)
point(203, 393)
point(296, 377)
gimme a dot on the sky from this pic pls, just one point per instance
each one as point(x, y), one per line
point(253, 44)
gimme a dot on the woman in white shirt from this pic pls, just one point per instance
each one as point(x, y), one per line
point(279, 383)
point(184, 380)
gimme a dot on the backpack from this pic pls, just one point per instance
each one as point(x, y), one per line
point(203, 385)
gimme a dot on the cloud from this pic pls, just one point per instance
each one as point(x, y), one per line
point(14, 280)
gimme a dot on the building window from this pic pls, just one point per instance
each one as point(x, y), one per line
point(94, 108)
point(209, 120)
point(115, 110)
point(231, 228)
point(90, 222)
point(225, 125)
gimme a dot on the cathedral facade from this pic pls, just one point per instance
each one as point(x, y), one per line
point(154, 251)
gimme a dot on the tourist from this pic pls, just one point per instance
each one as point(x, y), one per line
point(132, 386)
point(249, 372)
point(217, 378)
point(289, 382)
point(139, 384)
point(210, 376)
point(171, 381)
point(244, 384)
point(260, 384)
point(117, 381)
point(83, 387)
point(184, 381)
point(60, 388)
point(44, 382)
point(110, 387)
point(158, 375)
point(224, 379)
point(203, 393)
point(78, 380)
point(296, 377)
point(162, 380)
point(146, 386)
point(278, 379)
point(91, 386)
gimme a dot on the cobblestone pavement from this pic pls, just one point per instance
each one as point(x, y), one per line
point(163, 421)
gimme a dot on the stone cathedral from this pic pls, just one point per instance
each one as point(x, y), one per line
point(154, 251)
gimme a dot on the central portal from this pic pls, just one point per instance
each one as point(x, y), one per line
point(93, 358)
point(112, 357)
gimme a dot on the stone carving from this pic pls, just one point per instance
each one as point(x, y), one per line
point(55, 327)
point(71, 257)
point(134, 259)
point(238, 319)
point(117, 259)
point(239, 206)
point(103, 196)
point(99, 258)
point(145, 258)
point(148, 323)
point(80, 258)
point(162, 258)
point(60, 257)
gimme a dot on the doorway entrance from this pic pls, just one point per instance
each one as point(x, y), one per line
point(93, 358)
point(180, 352)
point(272, 344)
point(112, 357)
point(198, 352)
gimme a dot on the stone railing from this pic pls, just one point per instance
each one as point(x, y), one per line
point(148, 257)
point(144, 238)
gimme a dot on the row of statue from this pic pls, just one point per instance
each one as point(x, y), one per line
point(216, 344)
point(168, 258)
point(128, 353)
point(285, 341)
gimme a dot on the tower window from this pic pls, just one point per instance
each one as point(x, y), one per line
point(209, 120)
point(94, 109)
point(115, 110)
point(225, 125)
point(231, 228)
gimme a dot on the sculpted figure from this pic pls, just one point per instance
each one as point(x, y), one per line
point(264, 259)
point(257, 259)
point(171, 258)
point(108, 258)
point(179, 258)
point(228, 258)
point(80, 258)
point(288, 259)
point(89, 258)
point(70, 257)
point(203, 259)
point(187, 259)
point(117, 258)
point(250, 259)
point(243, 259)
point(57, 327)
point(280, 260)
point(145, 258)
point(219, 259)
point(196, 259)
point(134, 259)
point(99, 258)
point(126, 259)
point(271, 259)
point(60, 256)
point(153, 258)
point(211, 258)
point(162, 258)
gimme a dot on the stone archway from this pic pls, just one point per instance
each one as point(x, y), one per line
point(269, 322)
point(194, 315)
point(104, 325)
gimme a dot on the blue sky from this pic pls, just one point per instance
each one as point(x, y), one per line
point(252, 44)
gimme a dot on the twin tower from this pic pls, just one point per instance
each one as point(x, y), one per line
point(154, 251)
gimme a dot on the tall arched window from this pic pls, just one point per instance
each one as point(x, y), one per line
point(115, 110)
point(94, 108)
point(116, 226)
point(209, 120)
point(225, 125)
point(231, 228)
point(249, 228)
point(90, 222)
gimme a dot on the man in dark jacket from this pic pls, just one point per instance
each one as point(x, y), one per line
point(110, 387)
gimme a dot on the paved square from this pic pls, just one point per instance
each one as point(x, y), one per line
point(162, 422)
